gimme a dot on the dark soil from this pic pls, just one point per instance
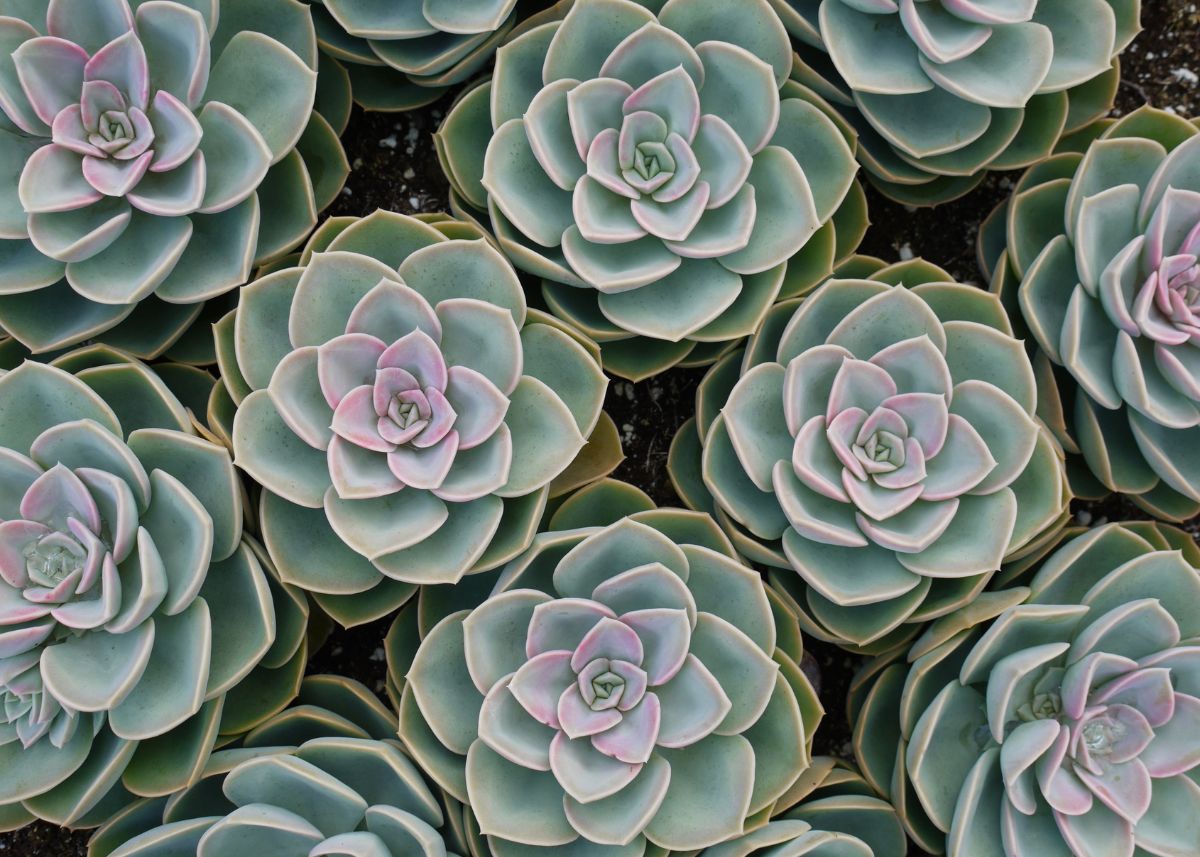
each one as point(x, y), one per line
point(394, 167)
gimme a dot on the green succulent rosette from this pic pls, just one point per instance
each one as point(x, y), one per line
point(941, 91)
point(406, 414)
point(153, 153)
point(1060, 718)
point(325, 777)
point(598, 504)
point(1100, 254)
point(139, 625)
point(405, 54)
point(660, 168)
point(829, 810)
point(625, 688)
point(601, 504)
point(876, 447)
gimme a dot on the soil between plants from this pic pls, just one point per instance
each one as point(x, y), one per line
point(394, 167)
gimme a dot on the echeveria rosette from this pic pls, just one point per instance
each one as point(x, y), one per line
point(1103, 253)
point(403, 410)
point(131, 606)
point(150, 159)
point(598, 504)
point(880, 442)
point(405, 54)
point(1062, 718)
point(659, 170)
point(324, 777)
point(1004, 80)
point(622, 688)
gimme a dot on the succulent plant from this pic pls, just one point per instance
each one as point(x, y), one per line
point(598, 504)
point(941, 90)
point(131, 605)
point(622, 685)
point(876, 446)
point(403, 55)
point(402, 408)
point(1102, 252)
point(830, 812)
point(1063, 718)
point(150, 159)
point(659, 169)
point(325, 777)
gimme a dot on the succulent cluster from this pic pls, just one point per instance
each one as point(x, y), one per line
point(232, 430)
point(131, 604)
point(1059, 718)
point(659, 175)
point(151, 159)
point(1103, 252)
point(879, 442)
point(1005, 79)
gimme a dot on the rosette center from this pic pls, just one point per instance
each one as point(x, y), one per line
point(52, 558)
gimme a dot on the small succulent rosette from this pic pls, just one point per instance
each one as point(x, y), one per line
point(830, 812)
point(138, 627)
point(405, 54)
point(940, 91)
point(876, 447)
point(403, 410)
point(325, 777)
point(1062, 718)
point(598, 504)
point(624, 689)
point(1102, 253)
point(659, 169)
point(150, 159)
